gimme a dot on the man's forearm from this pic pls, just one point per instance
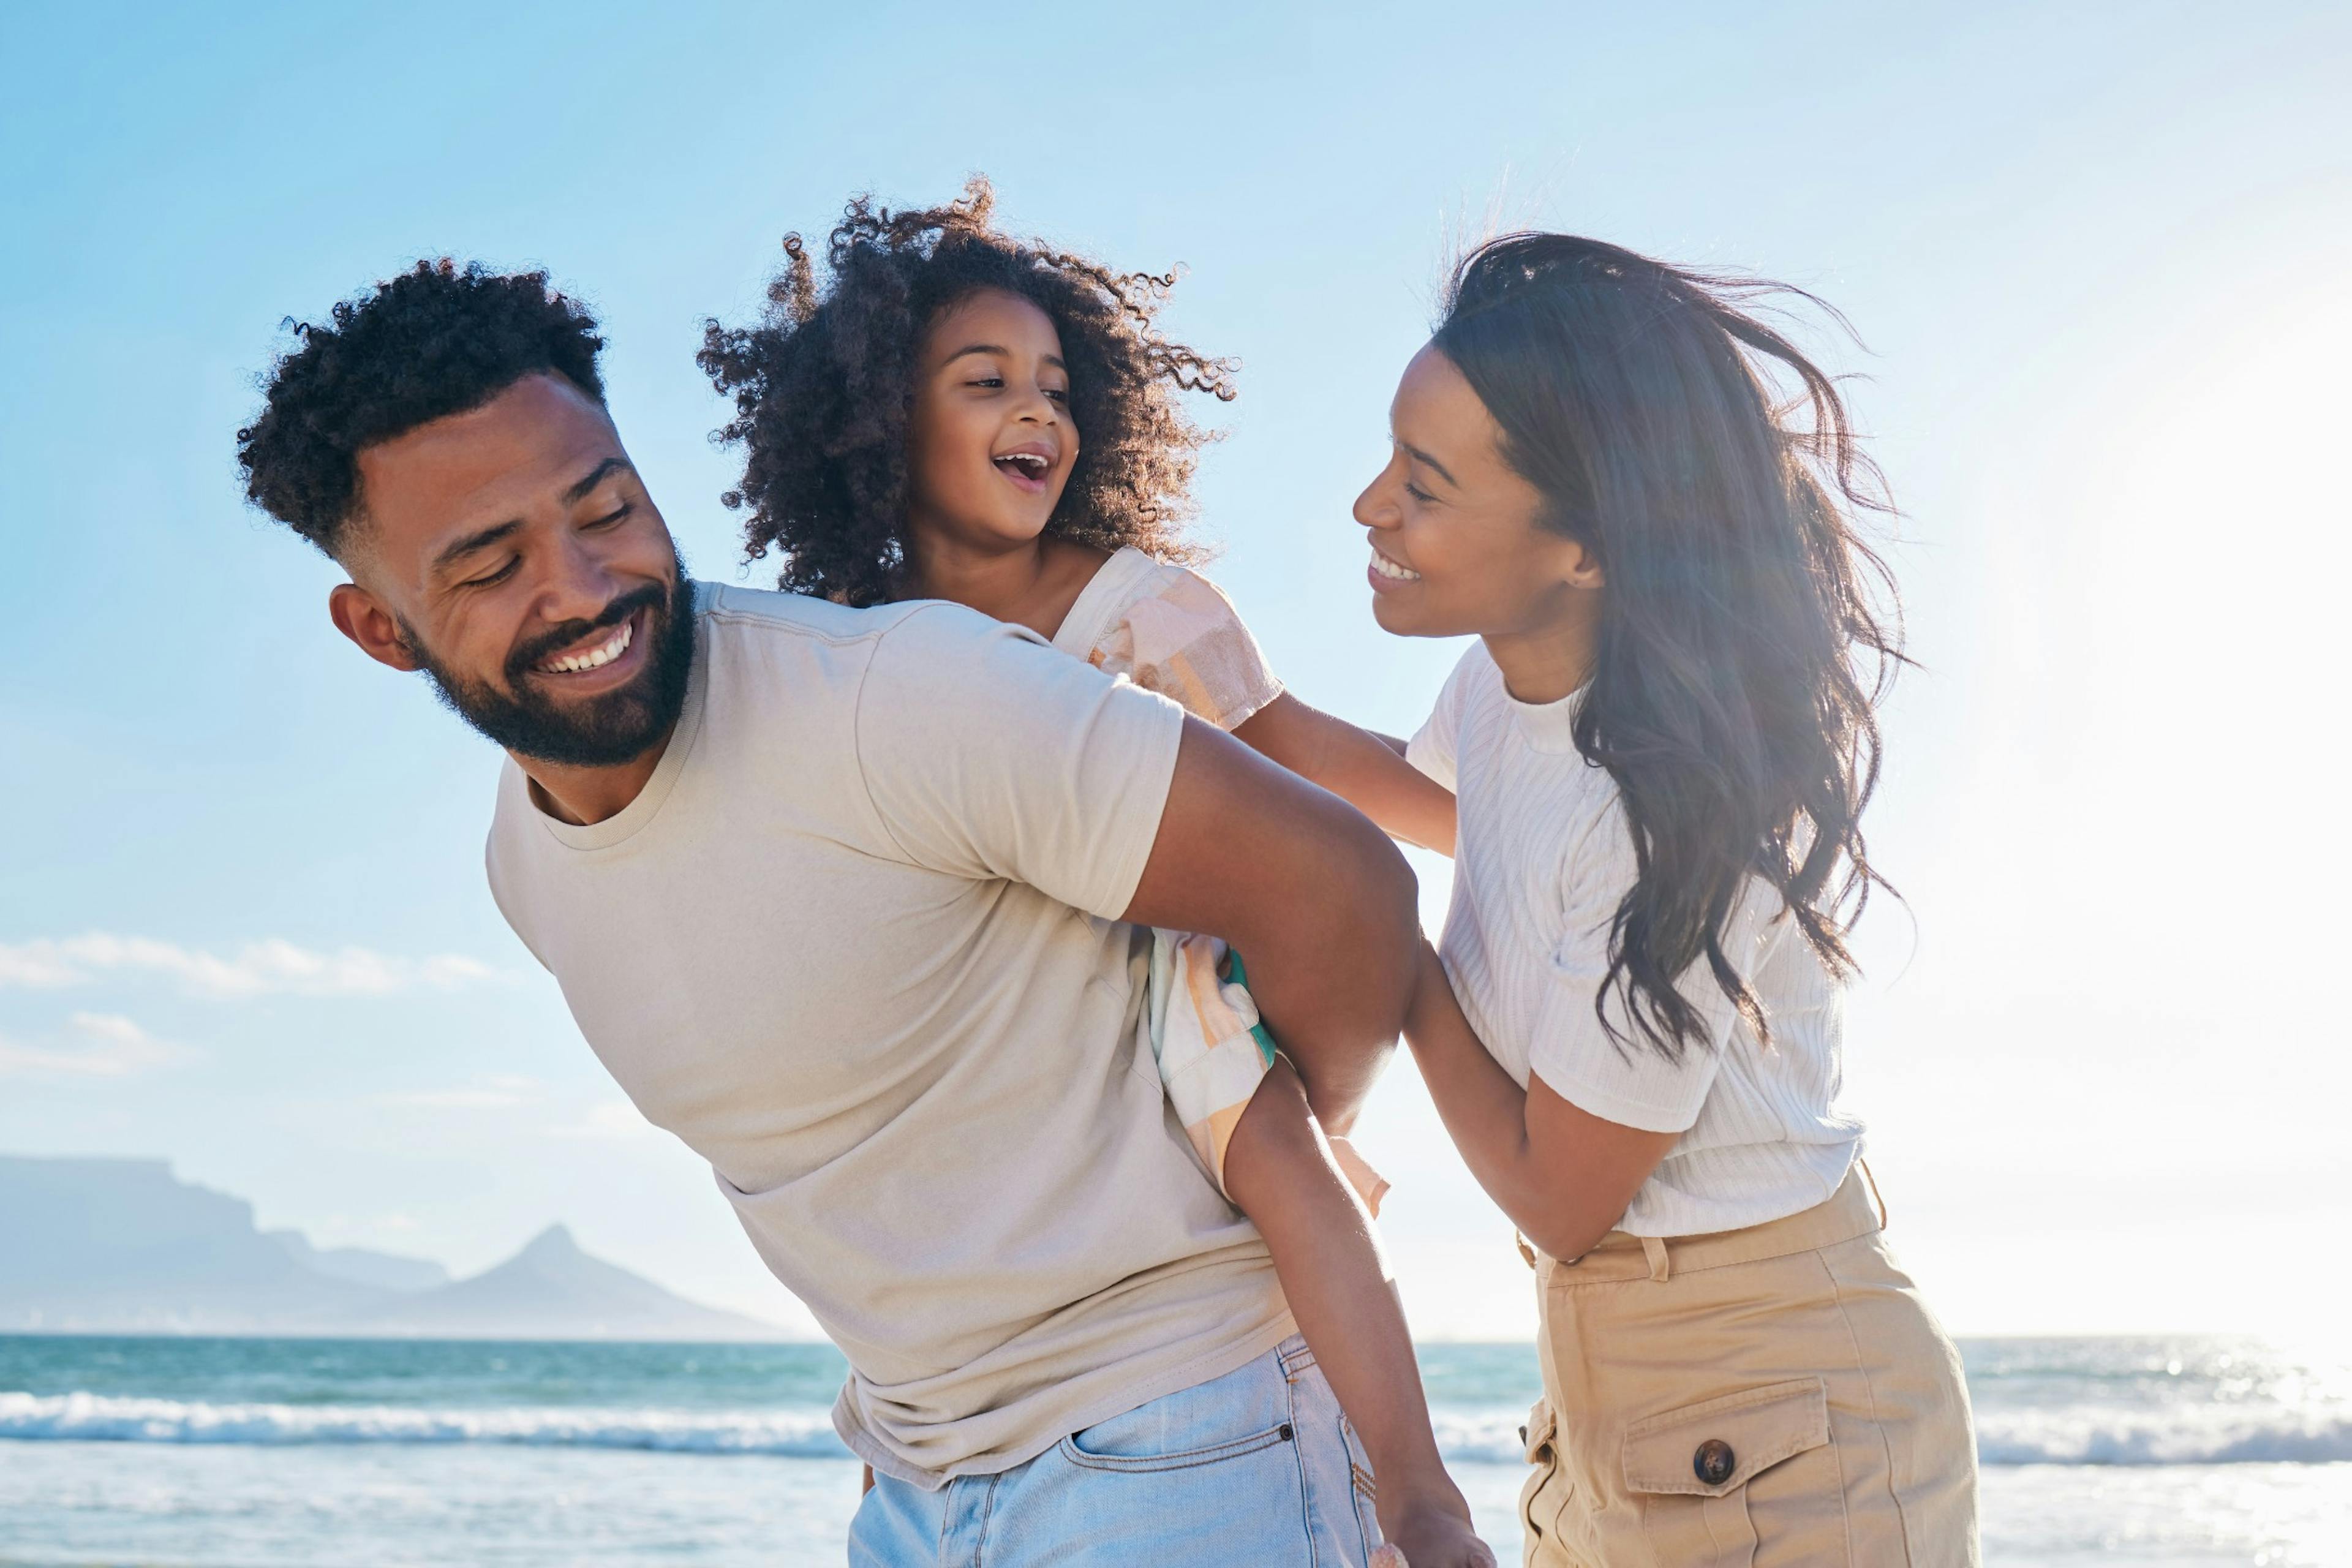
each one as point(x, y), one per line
point(1332, 968)
point(1318, 901)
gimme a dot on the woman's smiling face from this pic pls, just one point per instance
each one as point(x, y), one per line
point(991, 440)
point(1457, 546)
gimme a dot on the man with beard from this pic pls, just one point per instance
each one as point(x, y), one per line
point(843, 899)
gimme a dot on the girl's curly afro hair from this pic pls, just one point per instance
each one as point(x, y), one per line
point(825, 384)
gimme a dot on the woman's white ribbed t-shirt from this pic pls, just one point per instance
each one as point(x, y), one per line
point(1543, 856)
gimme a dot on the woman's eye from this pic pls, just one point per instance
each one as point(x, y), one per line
point(1417, 493)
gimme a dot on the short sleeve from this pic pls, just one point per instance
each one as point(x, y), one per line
point(1626, 1081)
point(1431, 748)
point(986, 753)
point(1184, 639)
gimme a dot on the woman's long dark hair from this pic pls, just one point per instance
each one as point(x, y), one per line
point(1747, 630)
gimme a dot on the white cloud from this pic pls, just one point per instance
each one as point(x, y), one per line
point(608, 1118)
point(493, 1093)
point(268, 967)
point(102, 1045)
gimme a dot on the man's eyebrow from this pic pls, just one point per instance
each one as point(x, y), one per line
point(473, 542)
point(596, 476)
point(1419, 456)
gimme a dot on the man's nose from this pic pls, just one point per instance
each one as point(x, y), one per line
point(579, 585)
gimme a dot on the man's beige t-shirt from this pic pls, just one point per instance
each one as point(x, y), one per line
point(855, 944)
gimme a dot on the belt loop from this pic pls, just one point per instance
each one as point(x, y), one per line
point(1654, 1248)
point(1879, 1198)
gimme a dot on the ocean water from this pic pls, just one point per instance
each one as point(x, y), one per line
point(196, 1453)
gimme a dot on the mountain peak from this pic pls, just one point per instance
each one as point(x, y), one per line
point(549, 1244)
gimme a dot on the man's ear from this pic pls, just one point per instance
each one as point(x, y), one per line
point(361, 617)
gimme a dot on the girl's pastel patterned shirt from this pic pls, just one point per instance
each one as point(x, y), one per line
point(1175, 632)
point(1170, 631)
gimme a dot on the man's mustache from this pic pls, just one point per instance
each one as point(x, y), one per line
point(526, 656)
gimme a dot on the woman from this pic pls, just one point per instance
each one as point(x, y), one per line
point(1661, 745)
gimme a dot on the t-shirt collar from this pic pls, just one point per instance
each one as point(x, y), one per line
point(1547, 726)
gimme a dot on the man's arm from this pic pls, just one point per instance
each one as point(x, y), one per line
point(1312, 895)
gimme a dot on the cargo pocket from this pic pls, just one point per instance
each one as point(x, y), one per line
point(1694, 1470)
point(1541, 1499)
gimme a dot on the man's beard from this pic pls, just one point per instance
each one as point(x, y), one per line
point(603, 732)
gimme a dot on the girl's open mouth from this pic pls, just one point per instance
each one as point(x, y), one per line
point(1026, 466)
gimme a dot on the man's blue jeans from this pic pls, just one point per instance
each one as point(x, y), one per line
point(1254, 1469)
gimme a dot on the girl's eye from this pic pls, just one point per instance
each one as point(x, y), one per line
point(987, 381)
point(1058, 395)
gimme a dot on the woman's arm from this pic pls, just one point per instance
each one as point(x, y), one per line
point(1366, 770)
point(1564, 1175)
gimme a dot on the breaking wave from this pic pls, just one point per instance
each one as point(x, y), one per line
point(2186, 1435)
point(88, 1418)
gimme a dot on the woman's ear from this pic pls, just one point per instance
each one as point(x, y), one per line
point(1583, 567)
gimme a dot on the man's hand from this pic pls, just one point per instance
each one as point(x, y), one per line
point(1313, 896)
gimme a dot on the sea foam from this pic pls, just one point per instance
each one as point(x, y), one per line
point(86, 1417)
point(2088, 1436)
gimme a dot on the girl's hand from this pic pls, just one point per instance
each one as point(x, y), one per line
point(1431, 1532)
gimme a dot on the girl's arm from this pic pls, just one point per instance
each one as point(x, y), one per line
point(1366, 770)
point(1279, 1172)
point(1564, 1175)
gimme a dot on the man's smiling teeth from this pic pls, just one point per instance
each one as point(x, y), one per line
point(595, 658)
point(1387, 568)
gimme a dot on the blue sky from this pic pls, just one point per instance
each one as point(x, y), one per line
point(2098, 265)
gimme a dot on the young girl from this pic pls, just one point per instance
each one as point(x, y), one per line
point(1662, 747)
point(959, 417)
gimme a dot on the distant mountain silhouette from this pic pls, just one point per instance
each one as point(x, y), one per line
point(124, 1246)
point(381, 1270)
point(551, 1289)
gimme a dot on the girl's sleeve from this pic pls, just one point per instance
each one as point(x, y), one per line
point(1626, 1079)
point(1185, 640)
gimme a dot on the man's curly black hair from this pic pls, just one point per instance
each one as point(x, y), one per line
point(438, 340)
point(825, 384)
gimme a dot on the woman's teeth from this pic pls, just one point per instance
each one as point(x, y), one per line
point(595, 658)
point(1387, 568)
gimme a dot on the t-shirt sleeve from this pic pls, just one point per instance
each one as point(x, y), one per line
point(1624, 1080)
point(1184, 639)
point(987, 753)
point(1431, 748)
